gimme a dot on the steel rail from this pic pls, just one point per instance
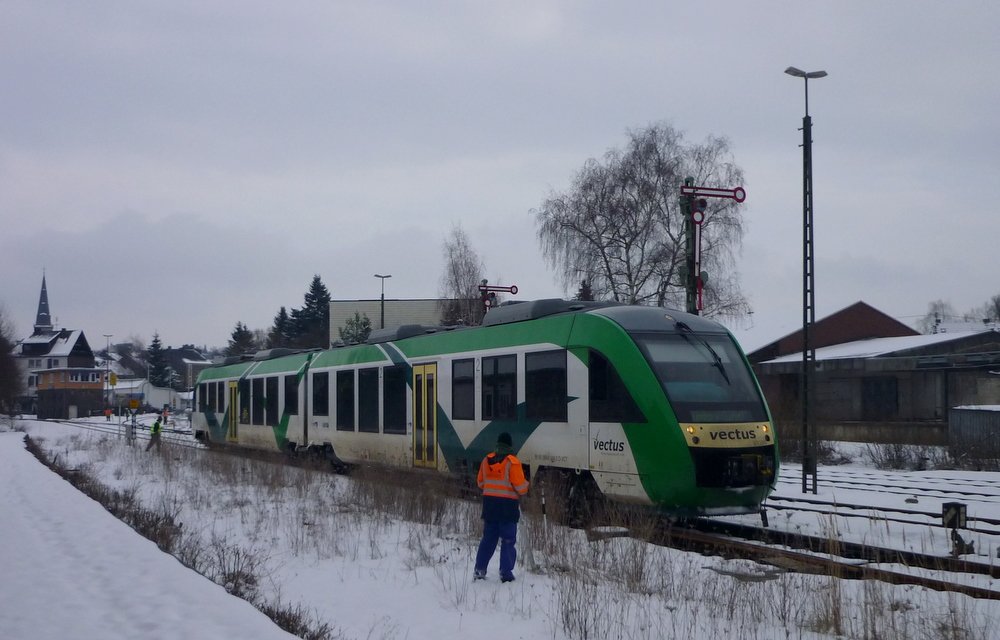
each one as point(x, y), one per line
point(796, 560)
point(845, 549)
point(910, 512)
point(170, 436)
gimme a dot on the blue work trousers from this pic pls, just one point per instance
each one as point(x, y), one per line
point(506, 534)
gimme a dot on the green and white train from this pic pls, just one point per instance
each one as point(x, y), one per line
point(645, 405)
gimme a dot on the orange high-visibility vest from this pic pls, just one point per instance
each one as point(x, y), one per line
point(502, 479)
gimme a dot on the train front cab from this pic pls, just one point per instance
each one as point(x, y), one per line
point(721, 413)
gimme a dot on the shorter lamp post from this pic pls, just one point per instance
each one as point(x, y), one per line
point(107, 370)
point(382, 300)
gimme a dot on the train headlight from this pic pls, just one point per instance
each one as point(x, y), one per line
point(690, 430)
point(763, 428)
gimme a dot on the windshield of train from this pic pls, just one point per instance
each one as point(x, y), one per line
point(704, 376)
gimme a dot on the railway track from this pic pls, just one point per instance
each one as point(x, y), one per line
point(834, 561)
point(178, 437)
point(980, 492)
point(885, 514)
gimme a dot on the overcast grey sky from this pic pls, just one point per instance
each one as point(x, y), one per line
point(179, 166)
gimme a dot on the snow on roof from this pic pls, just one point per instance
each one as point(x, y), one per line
point(878, 346)
point(130, 383)
point(64, 344)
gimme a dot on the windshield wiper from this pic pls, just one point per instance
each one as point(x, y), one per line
point(717, 361)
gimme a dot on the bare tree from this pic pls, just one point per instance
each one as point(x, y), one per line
point(987, 312)
point(937, 311)
point(11, 380)
point(620, 226)
point(463, 272)
point(137, 342)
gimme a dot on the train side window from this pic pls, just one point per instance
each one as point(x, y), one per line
point(258, 403)
point(271, 400)
point(545, 386)
point(500, 388)
point(321, 394)
point(463, 389)
point(244, 391)
point(220, 395)
point(345, 400)
point(203, 403)
point(394, 399)
point(292, 395)
point(368, 400)
point(610, 400)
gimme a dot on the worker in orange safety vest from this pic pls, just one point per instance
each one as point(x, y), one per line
point(502, 481)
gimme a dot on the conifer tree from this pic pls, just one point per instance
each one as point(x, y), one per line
point(356, 329)
point(279, 334)
point(311, 323)
point(157, 363)
point(241, 341)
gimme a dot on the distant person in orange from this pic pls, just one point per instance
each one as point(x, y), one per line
point(107, 414)
point(501, 477)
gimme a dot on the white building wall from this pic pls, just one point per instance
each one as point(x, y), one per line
point(425, 311)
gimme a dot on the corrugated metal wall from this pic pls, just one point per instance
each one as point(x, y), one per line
point(974, 432)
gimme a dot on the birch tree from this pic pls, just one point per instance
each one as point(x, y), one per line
point(620, 226)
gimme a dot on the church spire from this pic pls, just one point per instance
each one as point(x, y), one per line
point(43, 321)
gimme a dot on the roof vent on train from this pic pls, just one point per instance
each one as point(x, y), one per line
point(236, 359)
point(401, 332)
point(529, 310)
point(268, 354)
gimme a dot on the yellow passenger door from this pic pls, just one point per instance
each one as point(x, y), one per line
point(425, 415)
point(234, 409)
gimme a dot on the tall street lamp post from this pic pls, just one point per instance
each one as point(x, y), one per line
point(808, 286)
point(382, 300)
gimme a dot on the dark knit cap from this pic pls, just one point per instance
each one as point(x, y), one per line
point(504, 438)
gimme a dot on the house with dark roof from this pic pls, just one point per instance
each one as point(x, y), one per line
point(66, 359)
point(876, 376)
point(859, 321)
point(185, 363)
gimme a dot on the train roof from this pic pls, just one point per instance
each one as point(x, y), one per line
point(630, 317)
point(517, 311)
point(634, 318)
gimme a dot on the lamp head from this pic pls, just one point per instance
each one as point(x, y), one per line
point(799, 73)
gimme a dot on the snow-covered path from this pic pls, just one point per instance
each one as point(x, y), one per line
point(69, 569)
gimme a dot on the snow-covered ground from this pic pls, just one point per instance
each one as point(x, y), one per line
point(71, 570)
point(355, 559)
